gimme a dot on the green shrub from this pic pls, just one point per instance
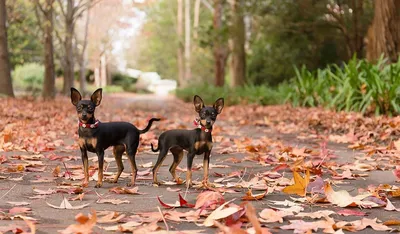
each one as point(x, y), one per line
point(125, 81)
point(29, 77)
point(262, 95)
point(357, 86)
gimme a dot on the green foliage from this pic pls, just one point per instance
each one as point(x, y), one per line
point(29, 77)
point(357, 86)
point(124, 81)
point(156, 49)
point(294, 33)
point(23, 33)
point(262, 95)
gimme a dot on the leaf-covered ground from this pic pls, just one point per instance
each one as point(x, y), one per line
point(274, 169)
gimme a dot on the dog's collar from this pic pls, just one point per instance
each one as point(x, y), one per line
point(198, 124)
point(83, 125)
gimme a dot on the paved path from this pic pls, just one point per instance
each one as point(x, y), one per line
point(51, 220)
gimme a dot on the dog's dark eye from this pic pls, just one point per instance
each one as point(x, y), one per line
point(79, 108)
point(90, 108)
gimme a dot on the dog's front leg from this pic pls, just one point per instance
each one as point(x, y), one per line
point(100, 156)
point(85, 161)
point(190, 158)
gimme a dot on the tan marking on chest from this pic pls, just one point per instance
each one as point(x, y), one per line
point(81, 142)
point(201, 144)
point(91, 142)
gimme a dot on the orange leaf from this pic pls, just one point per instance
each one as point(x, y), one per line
point(300, 184)
point(251, 197)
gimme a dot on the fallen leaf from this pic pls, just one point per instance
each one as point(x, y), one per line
point(317, 214)
point(220, 213)
point(111, 217)
point(113, 201)
point(253, 197)
point(209, 199)
point(347, 212)
point(343, 199)
point(56, 171)
point(84, 226)
point(66, 205)
point(300, 184)
point(19, 203)
point(120, 190)
point(19, 210)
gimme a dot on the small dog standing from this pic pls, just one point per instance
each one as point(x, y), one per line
point(95, 137)
point(196, 141)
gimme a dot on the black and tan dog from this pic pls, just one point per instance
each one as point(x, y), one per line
point(195, 142)
point(95, 137)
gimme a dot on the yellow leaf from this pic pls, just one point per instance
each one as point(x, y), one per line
point(300, 184)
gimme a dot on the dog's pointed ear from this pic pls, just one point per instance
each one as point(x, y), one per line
point(198, 103)
point(97, 96)
point(219, 105)
point(75, 96)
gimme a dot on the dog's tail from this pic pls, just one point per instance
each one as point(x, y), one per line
point(149, 125)
point(154, 150)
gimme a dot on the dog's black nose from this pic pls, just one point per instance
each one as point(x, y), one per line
point(208, 121)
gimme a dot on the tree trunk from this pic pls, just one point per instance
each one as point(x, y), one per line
point(358, 40)
point(49, 74)
point(83, 56)
point(69, 52)
point(220, 50)
point(384, 33)
point(5, 74)
point(179, 31)
point(237, 42)
point(196, 18)
point(188, 73)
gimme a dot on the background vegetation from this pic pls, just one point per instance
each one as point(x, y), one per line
point(337, 54)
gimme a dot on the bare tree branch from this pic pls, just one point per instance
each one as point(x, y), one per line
point(208, 5)
point(62, 8)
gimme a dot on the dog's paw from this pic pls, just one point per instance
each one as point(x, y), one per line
point(130, 184)
point(98, 185)
point(179, 181)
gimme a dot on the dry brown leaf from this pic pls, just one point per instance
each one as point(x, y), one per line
point(84, 226)
point(66, 205)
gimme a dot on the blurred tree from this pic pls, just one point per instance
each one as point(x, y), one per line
point(5, 74)
point(46, 21)
point(384, 33)
point(237, 42)
point(220, 47)
point(23, 33)
point(71, 11)
point(180, 50)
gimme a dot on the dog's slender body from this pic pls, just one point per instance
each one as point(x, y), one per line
point(96, 137)
point(195, 142)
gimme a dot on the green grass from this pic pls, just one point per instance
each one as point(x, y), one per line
point(357, 86)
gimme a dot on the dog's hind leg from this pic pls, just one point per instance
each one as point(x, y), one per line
point(161, 156)
point(118, 151)
point(177, 152)
point(131, 152)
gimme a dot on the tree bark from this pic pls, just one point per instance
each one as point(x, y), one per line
point(179, 31)
point(83, 56)
point(383, 36)
point(237, 43)
point(196, 18)
point(188, 73)
point(220, 50)
point(69, 52)
point(48, 91)
point(358, 40)
point(5, 74)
